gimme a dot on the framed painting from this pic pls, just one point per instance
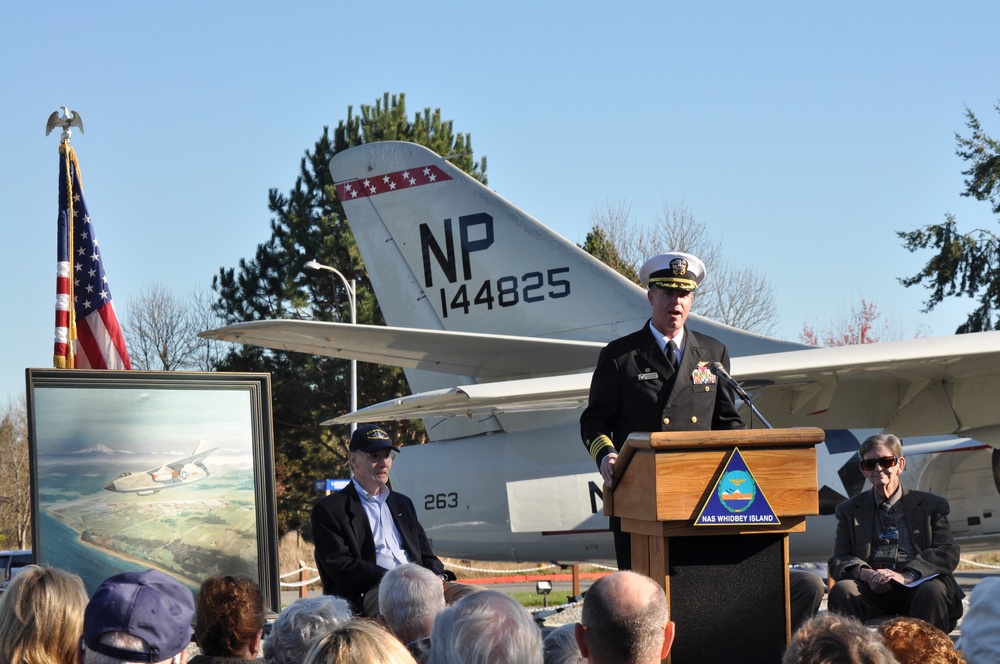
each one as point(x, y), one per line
point(144, 469)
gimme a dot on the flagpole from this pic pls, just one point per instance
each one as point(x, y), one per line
point(67, 151)
point(85, 312)
point(68, 120)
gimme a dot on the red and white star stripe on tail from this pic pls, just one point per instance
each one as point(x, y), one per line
point(384, 184)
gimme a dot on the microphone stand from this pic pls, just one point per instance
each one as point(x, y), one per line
point(719, 370)
point(753, 410)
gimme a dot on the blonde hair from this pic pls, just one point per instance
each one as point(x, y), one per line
point(41, 617)
point(360, 641)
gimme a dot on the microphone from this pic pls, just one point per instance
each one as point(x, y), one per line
point(720, 371)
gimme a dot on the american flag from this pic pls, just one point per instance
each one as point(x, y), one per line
point(93, 339)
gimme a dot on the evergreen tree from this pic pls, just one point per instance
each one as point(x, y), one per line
point(598, 245)
point(309, 223)
point(966, 264)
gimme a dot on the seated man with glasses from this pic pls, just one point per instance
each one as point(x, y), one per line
point(365, 529)
point(894, 552)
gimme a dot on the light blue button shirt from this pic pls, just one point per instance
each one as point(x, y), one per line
point(388, 551)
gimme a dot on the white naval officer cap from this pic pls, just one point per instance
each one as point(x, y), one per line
point(674, 270)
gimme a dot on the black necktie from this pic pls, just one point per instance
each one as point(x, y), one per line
point(887, 547)
point(672, 354)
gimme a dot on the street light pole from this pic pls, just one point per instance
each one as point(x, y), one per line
point(352, 297)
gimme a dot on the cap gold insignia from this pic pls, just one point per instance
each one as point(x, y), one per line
point(679, 267)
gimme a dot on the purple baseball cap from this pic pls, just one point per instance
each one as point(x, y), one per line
point(149, 605)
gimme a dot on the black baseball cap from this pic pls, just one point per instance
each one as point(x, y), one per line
point(371, 438)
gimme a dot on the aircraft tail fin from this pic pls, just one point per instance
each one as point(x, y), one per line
point(444, 252)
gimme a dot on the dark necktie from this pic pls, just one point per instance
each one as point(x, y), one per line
point(887, 546)
point(672, 354)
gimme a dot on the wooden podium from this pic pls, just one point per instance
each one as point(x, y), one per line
point(727, 584)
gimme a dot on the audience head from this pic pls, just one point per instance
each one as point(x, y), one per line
point(229, 619)
point(138, 617)
point(914, 641)
point(409, 598)
point(301, 624)
point(831, 638)
point(453, 592)
point(41, 616)
point(980, 639)
point(486, 627)
point(560, 646)
point(359, 641)
point(625, 619)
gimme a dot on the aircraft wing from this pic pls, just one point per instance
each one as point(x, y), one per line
point(941, 385)
point(195, 458)
point(915, 387)
point(482, 356)
point(532, 394)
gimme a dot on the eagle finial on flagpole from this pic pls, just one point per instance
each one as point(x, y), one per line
point(69, 119)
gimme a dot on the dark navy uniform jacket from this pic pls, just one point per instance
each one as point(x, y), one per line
point(345, 546)
point(926, 518)
point(635, 389)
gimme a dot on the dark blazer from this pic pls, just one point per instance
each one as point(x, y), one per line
point(927, 520)
point(345, 546)
point(635, 389)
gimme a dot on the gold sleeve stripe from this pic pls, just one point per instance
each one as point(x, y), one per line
point(598, 444)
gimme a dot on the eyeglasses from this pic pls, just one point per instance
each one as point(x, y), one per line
point(379, 456)
point(885, 463)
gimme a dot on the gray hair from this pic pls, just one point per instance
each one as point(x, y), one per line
point(625, 614)
point(486, 627)
point(830, 637)
point(560, 646)
point(301, 624)
point(123, 640)
point(409, 598)
point(886, 440)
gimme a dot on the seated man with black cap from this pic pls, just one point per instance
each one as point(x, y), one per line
point(138, 617)
point(365, 529)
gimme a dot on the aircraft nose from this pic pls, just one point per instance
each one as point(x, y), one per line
point(110, 486)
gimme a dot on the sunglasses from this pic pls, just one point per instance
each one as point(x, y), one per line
point(885, 463)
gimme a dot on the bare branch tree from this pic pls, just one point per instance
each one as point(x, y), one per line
point(676, 229)
point(741, 297)
point(15, 478)
point(208, 352)
point(162, 330)
point(626, 237)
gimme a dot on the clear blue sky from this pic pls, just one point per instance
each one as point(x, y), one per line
point(804, 134)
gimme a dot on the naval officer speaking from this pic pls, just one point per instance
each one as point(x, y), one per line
point(659, 379)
